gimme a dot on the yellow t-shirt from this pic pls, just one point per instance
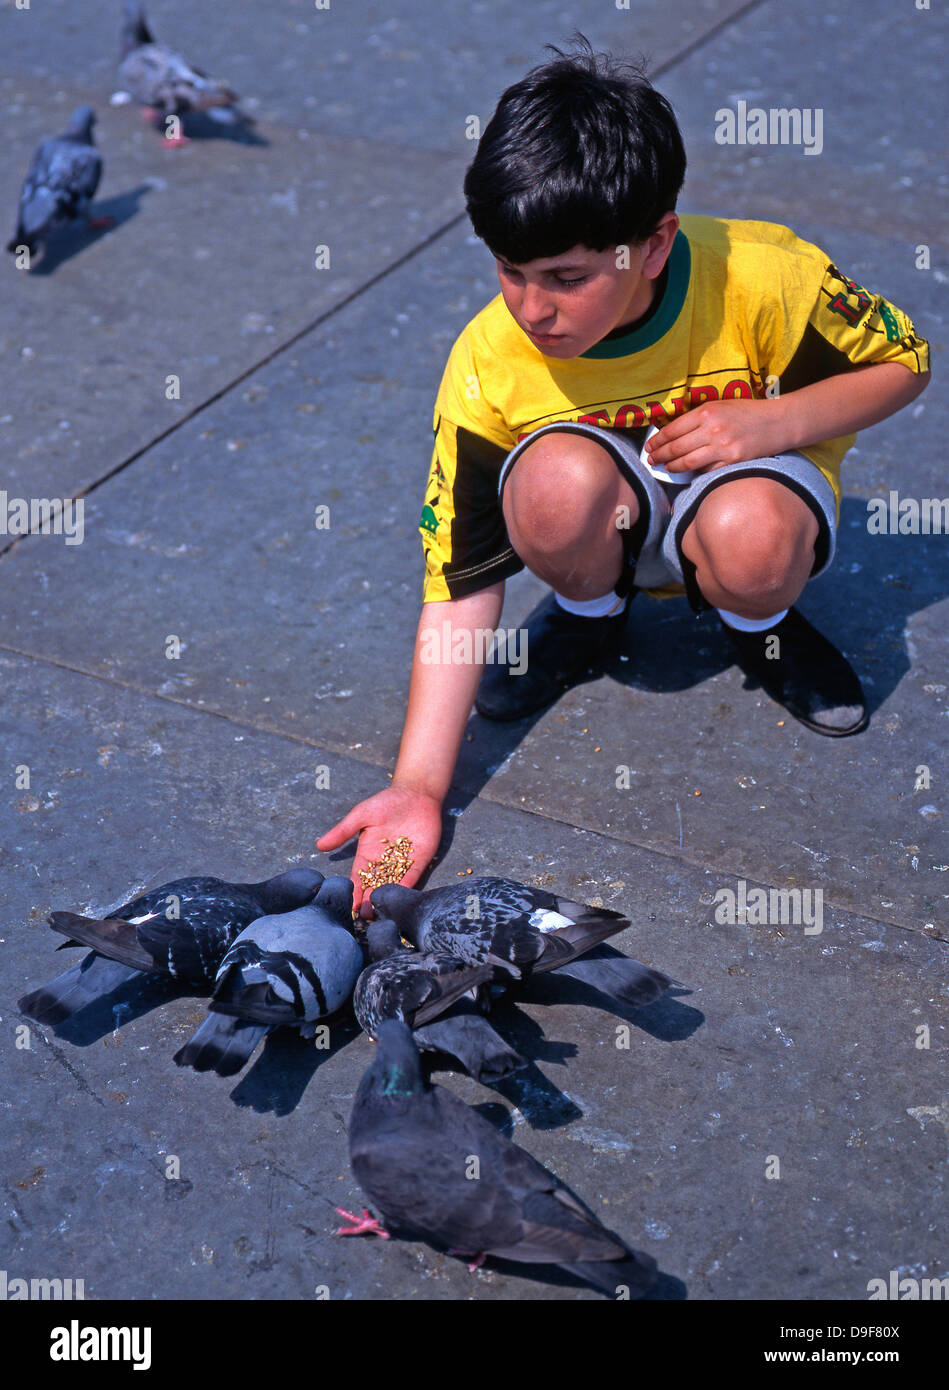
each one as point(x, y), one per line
point(748, 307)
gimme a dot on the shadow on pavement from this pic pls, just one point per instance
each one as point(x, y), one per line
point(70, 241)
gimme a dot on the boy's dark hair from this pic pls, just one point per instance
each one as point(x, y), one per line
point(583, 150)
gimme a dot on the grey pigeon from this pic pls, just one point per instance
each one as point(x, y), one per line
point(181, 930)
point(163, 81)
point(290, 970)
point(60, 183)
point(495, 921)
point(438, 1169)
point(418, 989)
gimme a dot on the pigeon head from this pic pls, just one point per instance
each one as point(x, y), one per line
point(80, 124)
point(135, 30)
point(295, 888)
point(336, 898)
point(400, 903)
point(396, 1073)
point(382, 938)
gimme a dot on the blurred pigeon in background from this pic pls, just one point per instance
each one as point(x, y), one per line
point(495, 921)
point(418, 989)
point(181, 930)
point(438, 1169)
point(163, 82)
point(60, 183)
point(290, 970)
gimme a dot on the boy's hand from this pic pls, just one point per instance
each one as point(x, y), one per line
point(393, 812)
point(717, 433)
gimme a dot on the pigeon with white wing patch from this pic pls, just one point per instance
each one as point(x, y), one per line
point(495, 921)
point(180, 930)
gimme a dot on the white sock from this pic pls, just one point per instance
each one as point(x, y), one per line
point(752, 624)
point(592, 607)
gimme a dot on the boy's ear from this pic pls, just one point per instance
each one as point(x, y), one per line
point(659, 245)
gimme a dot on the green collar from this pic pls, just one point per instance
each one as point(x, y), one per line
point(680, 265)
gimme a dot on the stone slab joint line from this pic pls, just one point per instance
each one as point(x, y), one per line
point(254, 367)
point(343, 751)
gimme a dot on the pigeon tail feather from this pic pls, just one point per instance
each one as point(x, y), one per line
point(473, 1042)
point(110, 936)
point(627, 980)
point(222, 1044)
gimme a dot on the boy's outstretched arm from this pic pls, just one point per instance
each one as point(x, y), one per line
point(721, 432)
point(441, 695)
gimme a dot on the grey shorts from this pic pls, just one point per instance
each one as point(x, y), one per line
point(666, 510)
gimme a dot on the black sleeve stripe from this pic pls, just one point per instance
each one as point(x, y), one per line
point(814, 359)
point(480, 547)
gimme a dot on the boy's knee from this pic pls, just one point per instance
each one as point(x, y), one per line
point(561, 489)
point(753, 541)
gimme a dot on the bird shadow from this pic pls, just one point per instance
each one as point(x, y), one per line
point(665, 1019)
point(276, 1082)
point(121, 1005)
point(200, 127)
point(666, 1288)
point(66, 242)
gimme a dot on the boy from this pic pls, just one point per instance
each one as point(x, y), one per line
point(650, 404)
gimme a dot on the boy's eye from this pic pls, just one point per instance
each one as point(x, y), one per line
point(568, 284)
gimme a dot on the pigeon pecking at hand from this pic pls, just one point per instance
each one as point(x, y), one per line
point(163, 82)
point(438, 1169)
point(495, 921)
point(181, 930)
point(289, 970)
point(60, 183)
point(419, 989)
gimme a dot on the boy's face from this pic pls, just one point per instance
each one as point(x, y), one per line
point(567, 303)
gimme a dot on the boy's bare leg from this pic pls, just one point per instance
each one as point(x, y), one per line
point(561, 507)
point(752, 544)
point(564, 502)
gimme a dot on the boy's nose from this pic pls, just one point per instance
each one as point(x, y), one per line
point(536, 309)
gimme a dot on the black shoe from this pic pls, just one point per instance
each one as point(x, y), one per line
point(806, 674)
point(561, 649)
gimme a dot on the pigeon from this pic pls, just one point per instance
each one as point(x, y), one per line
point(438, 1169)
point(519, 930)
point(163, 82)
point(181, 930)
point(293, 969)
point(621, 977)
point(60, 183)
point(418, 989)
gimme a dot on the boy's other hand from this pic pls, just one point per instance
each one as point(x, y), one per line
point(391, 813)
point(717, 433)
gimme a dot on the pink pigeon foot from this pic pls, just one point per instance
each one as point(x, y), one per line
point(172, 142)
point(476, 1263)
point(96, 224)
point(362, 1225)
